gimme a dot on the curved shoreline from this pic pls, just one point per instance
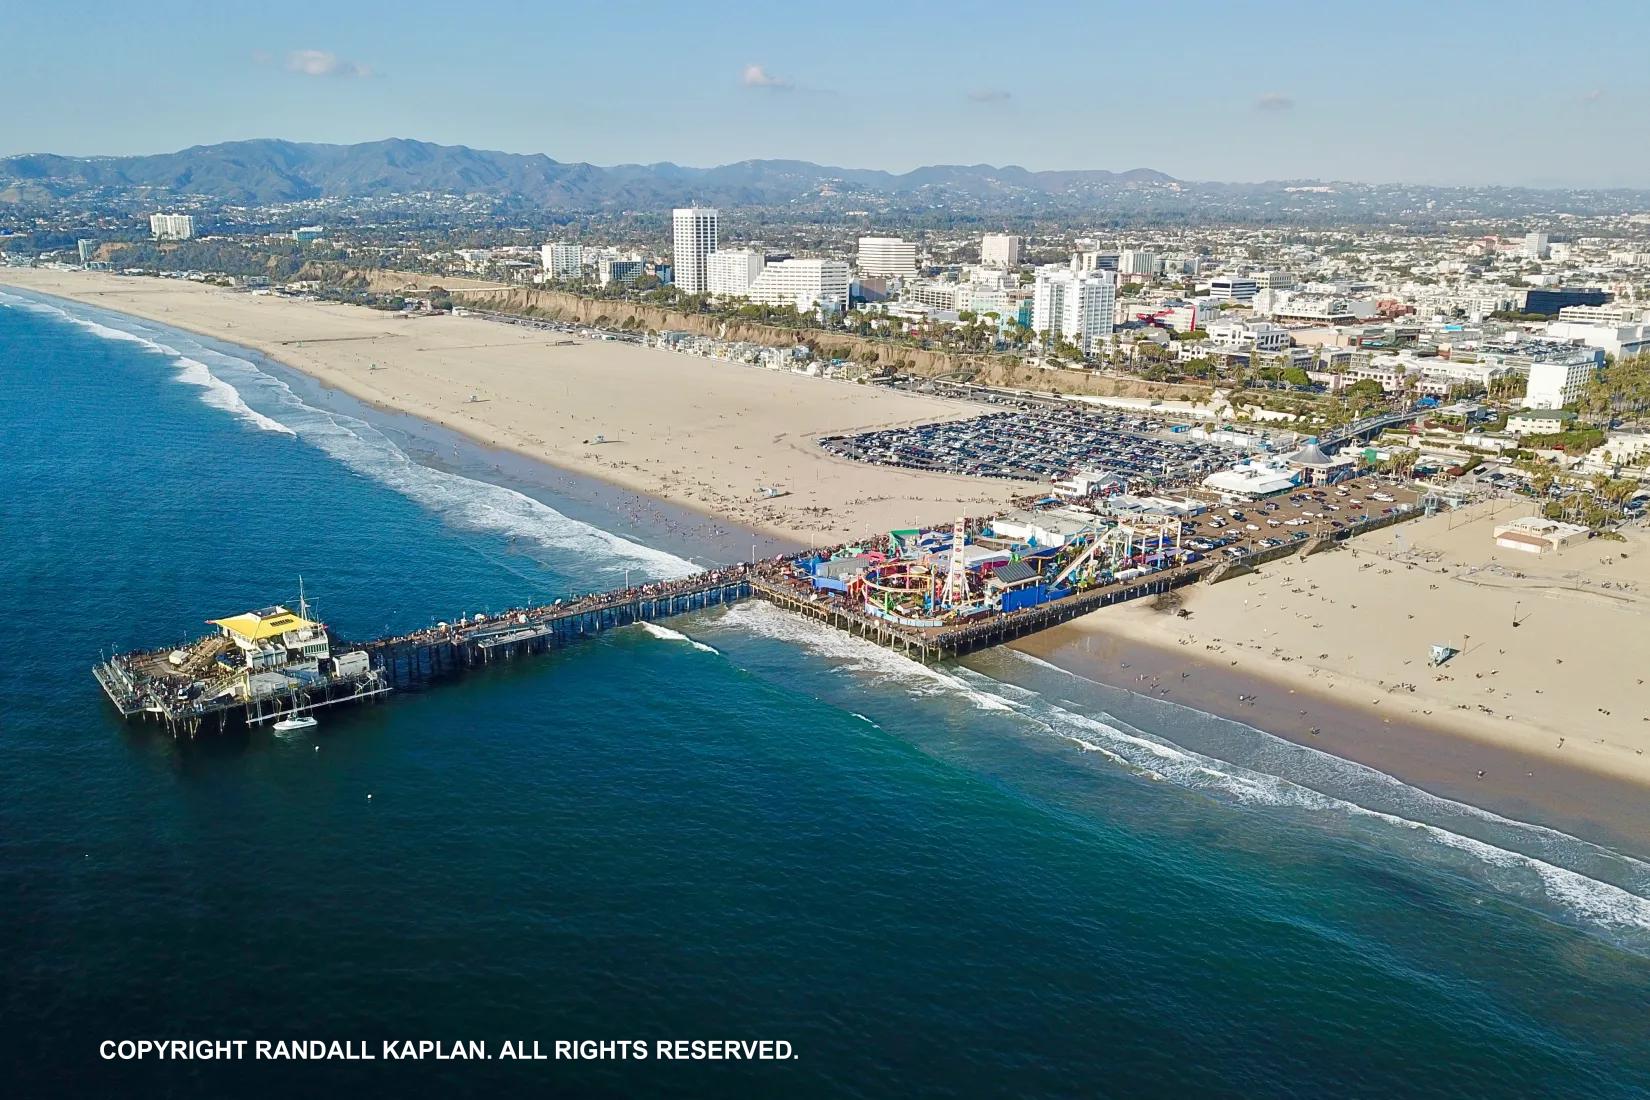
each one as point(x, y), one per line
point(699, 433)
point(1584, 796)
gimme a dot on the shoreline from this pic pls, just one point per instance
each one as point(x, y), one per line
point(683, 447)
point(1567, 795)
point(1342, 636)
point(1128, 647)
point(656, 522)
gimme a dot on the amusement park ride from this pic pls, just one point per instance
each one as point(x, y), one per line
point(928, 581)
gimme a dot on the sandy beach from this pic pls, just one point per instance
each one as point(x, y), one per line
point(697, 432)
point(1351, 629)
point(1555, 711)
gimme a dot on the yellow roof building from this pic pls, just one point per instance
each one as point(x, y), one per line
point(257, 626)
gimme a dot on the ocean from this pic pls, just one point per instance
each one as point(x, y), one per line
point(992, 879)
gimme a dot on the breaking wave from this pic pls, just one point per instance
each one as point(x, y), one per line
point(215, 391)
point(1581, 880)
point(668, 634)
point(227, 379)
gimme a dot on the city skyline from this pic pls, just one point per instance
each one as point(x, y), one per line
point(1423, 95)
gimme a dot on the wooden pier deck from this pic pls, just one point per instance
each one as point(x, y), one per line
point(410, 662)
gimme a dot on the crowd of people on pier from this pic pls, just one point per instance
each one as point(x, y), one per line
point(581, 604)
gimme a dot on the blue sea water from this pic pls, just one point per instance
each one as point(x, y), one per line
point(967, 881)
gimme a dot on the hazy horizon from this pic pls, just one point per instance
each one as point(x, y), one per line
point(896, 171)
point(1464, 95)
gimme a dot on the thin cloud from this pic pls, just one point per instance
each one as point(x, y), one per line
point(989, 95)
point(323, 63)
point(756, 76)
point(1593, 96)
point(1275, 101)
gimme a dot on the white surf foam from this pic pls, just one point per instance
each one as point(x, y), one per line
point(1273, 754)
point(461, 501)
point(664, 632)
point(215, 391)
point(1515, 872)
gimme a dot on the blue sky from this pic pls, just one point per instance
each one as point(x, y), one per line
point(1543, 94)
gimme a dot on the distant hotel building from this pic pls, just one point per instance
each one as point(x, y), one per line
point(614, 269)
point(562, 261)
point(1132, 261)
point(308, 234)
point(887, 257)
point(1559, 381)
point(171, 227)
point(1001, 250)
point(733, 270)
point(1548, 301)
point(694, 239)
point(1225, 289)
point(1094, 261)
point(1076, 306)
point(87, 249)
point(804, 284)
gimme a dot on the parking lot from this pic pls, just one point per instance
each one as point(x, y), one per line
point(1039, 445)
point(1236, 530)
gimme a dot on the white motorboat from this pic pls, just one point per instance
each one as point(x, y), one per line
point(296, 723)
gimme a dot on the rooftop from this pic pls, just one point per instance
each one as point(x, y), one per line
point(268, 622)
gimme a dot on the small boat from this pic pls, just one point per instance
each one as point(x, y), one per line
point(296, 723)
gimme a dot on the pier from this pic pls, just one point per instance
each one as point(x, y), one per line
point(411, 661)
point(273, 665)
point(253, 673)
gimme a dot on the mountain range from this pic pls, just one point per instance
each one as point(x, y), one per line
point(268, 171)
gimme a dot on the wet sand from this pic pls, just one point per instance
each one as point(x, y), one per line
point(702, 434)
point(700, 538)
point(1525, 786)
point(1343, 637)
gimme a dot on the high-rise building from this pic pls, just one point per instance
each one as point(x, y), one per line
point(1001, 250)
point(1133, 261)
point(618, 269)
point(562, 261)
point(1559, 381)
point(1231, 288)
point(1076, 306)
point(733, 270)
point(804, 284)
point(171, 227)
point(1094, 261)
point(87, 249)
point(1537, 246)
point(887, 257)
point(694, 239)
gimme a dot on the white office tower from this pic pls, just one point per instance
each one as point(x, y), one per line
point(171, 227)
point(887, 257)
point(694, 239)
point(803, 284)
point(1537, 246)
point(1133, 261)
point(563, 261)
point(731, 271)
point(1076, 306)
point(1001, 250)
point(1094, 261)
point(1560, 381)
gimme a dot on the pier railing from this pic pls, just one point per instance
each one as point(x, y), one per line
point(409, 661)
